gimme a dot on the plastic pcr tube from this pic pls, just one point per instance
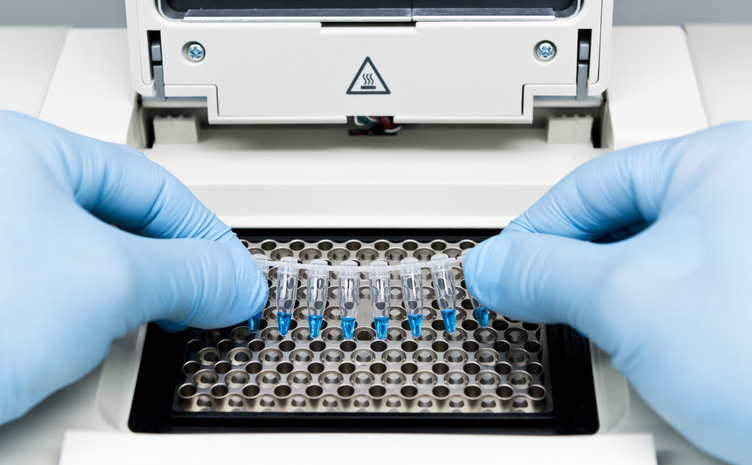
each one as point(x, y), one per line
point(479, 311)
point(381, 297)
point(349, 288)
point(262, 261)
point(318, 288)
point(412, 294)
point(287, 293)
point(443, 287)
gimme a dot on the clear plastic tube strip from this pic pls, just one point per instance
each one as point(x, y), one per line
point(254, 323)
point(318, 293)
point(381, 296)
point(446, 294)
point(287, 290)
point(349, 288)
point(412, 294)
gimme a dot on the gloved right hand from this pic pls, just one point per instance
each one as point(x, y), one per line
point(669, 292)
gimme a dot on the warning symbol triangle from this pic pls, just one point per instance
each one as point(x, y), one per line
point(368, 80)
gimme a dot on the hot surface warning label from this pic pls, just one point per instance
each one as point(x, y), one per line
point(368, 80)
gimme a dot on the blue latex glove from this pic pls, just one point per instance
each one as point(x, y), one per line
point(70, 283)
point(670, 298)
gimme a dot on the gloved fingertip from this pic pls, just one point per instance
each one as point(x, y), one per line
point(260, 294)
point(470, 268)
point(481, 281)
point(255, 285)
point(224, 286)
point(170, 327)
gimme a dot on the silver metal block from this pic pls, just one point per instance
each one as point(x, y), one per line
point(497, 369)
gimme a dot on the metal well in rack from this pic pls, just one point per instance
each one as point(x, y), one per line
point(500, 368)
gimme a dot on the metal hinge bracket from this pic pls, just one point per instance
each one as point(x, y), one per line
point(156, 68)
point(583, 63)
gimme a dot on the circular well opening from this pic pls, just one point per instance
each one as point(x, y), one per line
point(409, 346)
point(222, 367)
point(377, 391)
point(325, 245)
point(348, 346)
point(251, 390)
point(464, 245)
point(378, 346)
point(440, 368)
point(316, 368)
point(346, 368)
point(532, 346)
point(253, 367)
point(219, 390)
point(410, 246)
point(268, 245)
point(500, 325)
point(256, 346)
point(440, 346)
point(440, 391)
point(286, 346)
point(191, 367)
point(505, 392)
point(438, 245)
point(409, 368)
point(409, 391)
point(381, 245)
point(503, 368)
point(314, 391)
point(502, 346)
point(345, 391)
point(282, 391)
point(471, 346)
point(353, 245)
point(534, 368)
point(537, 392)
point(472, 392)
point(377, 368)
point(471, 368)
point(187, 390)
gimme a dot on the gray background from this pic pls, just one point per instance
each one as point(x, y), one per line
point(111, 13)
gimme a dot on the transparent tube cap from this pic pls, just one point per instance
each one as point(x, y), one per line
point(412, 294)
point(287, 293)
point(262, 261)
point(349, 284)
point(381, 297)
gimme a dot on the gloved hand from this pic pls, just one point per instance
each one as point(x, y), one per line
point(670, 297)
point(70, 283)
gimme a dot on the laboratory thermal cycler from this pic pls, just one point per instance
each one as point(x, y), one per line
point(334, 134)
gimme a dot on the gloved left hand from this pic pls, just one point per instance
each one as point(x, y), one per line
point(71, 283)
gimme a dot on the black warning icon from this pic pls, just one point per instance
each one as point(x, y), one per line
point(368, 80)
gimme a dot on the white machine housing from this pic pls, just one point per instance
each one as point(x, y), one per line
point(665, 82)
point(437, 70)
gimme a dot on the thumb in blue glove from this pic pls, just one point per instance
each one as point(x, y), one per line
point(647, 252)
point(70, 283)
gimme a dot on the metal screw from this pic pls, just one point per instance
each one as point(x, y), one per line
point(196, 52)
point(546, 51)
